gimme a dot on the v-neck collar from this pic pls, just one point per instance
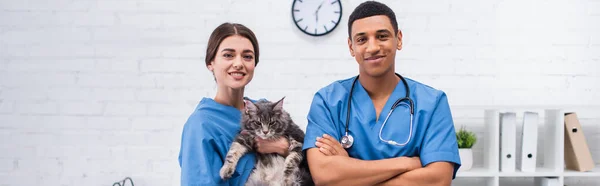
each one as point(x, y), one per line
point(367, 108)
point(211, 104)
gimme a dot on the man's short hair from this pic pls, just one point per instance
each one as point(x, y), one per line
point(372, 8)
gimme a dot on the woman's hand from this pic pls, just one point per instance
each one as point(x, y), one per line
point(280, 146)
point(330, 147)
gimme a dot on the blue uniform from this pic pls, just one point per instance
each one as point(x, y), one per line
point(433, 138)
point(206, 138)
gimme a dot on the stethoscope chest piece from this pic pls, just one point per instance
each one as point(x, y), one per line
point(347, 141)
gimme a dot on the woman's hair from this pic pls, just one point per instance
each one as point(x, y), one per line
point(225, 30)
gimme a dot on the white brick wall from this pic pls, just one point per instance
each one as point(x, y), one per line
point(92, 91)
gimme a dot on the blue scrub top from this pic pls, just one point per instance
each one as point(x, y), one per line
point(433, 138)
point(206, 138)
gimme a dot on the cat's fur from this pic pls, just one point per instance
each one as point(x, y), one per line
point(268, 120)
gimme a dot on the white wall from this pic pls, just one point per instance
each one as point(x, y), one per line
point(92, 91)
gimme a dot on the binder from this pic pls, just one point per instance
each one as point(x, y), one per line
point(577, 153)
point(529, 138)
point(508, 142)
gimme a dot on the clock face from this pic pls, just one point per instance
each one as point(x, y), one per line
point(316, 17)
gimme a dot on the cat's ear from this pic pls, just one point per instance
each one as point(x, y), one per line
point(249, 106)
point(279, 104)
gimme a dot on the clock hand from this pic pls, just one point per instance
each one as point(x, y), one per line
point(318, 8)
point(317, 11)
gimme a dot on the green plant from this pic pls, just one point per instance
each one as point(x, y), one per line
point(465, 139)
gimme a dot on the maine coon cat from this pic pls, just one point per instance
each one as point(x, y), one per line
point(269, 120)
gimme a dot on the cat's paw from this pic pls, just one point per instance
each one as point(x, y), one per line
point(226, 171)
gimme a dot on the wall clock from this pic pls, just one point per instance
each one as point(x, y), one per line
point(316, 17)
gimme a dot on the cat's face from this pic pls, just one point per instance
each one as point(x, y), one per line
point(265, 119)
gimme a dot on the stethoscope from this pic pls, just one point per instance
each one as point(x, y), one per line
point(348, 140)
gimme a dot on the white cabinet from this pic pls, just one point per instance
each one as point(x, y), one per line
point(550, 160)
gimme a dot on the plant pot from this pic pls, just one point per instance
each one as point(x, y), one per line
point(466, 159)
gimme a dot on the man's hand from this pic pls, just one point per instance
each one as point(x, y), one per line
point(330, 146)
point(280, 146)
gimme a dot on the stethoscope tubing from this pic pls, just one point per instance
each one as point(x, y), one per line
point(391, 142)
point(348, 140)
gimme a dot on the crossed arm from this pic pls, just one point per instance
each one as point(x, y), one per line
point(437, 173)
point(330, 164)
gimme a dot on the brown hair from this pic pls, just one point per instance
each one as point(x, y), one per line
point(225, 30)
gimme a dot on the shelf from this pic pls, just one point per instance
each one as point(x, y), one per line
point(539, 172)
point(593, 173)
point(475, 172)
point(551, 164)
point(540, 107)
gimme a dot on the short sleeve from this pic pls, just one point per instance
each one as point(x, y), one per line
point(320, 121)
point(199, 158)
point(440, 143)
